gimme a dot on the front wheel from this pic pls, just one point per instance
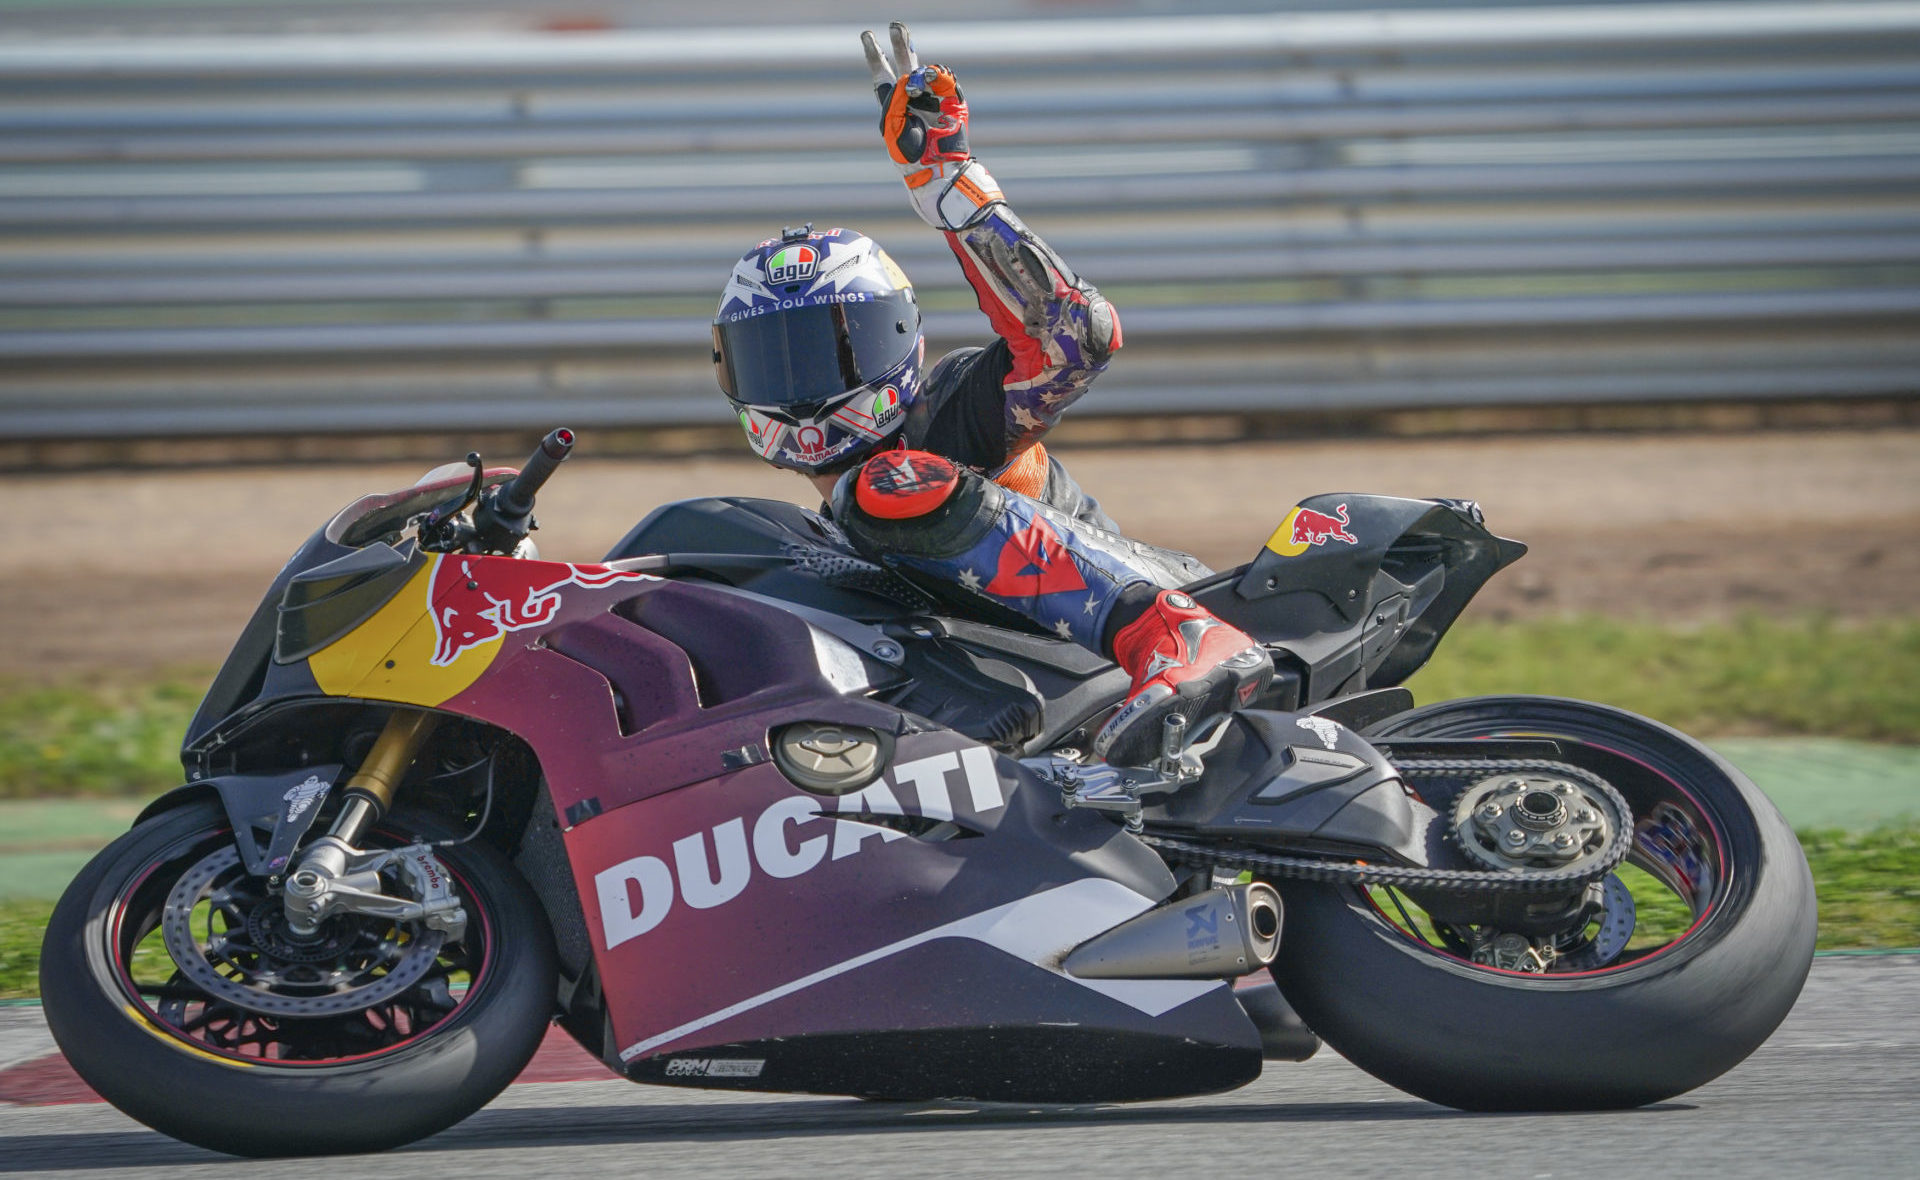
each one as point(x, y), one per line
point(1669, 1011)
point(176, 990)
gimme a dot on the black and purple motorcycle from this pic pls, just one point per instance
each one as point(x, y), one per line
point(743, 809)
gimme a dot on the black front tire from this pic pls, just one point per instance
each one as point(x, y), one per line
point(1476, 1038)
point(253, 1107)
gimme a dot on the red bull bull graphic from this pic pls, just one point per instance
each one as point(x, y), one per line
point(477, 600)
point(1304, 528)
point(442, 632)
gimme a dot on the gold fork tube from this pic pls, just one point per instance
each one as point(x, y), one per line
point(370, 790)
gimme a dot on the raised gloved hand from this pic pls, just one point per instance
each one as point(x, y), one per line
point(923, 119)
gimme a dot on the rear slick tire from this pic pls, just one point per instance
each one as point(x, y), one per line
point(443, 1064)
point(1639, 1031)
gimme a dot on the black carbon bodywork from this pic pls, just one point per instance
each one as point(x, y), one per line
point(1302, 782)
point(324, 602)
point(1366, 613)
point(1051, 1040)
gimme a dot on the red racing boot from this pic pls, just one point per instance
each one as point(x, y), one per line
point(1183, 660)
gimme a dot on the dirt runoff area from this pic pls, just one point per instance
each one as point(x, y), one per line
point(142, 570)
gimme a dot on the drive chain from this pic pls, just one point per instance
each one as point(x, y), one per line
point(1334, 872)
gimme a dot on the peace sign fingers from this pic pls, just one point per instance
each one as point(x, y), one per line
point(888, 68)
point(883, 75)
point(905, 60)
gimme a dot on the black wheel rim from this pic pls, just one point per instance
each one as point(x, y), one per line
point(1678, 872)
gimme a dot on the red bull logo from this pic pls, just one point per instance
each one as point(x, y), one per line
point(1317, 528)
point(1305, 528)
point(477, 600)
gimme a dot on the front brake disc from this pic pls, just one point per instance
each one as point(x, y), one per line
point(227, 934)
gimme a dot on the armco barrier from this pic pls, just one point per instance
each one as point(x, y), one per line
point(1418, 208)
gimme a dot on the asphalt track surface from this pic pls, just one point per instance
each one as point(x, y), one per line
point(1836, 1092)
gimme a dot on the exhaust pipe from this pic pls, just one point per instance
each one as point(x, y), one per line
point(1219, 934)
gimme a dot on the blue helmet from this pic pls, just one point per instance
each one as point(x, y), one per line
point(817, 346)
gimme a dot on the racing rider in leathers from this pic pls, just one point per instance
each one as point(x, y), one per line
point(817, 346)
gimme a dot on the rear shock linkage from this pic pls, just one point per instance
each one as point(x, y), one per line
point(1356, 873)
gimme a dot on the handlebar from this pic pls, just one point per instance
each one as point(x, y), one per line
point(515, 497)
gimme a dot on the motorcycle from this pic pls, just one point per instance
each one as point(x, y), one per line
point(742, 809)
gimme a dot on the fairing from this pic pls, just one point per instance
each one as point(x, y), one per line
point(723, 906)
point(722, 926)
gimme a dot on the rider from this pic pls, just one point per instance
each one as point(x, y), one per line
point(817, 346)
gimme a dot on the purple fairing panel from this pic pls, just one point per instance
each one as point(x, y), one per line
point(712, 887)
point(706, 905)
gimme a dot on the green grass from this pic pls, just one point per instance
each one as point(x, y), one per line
point(1751, 676)
point(21, 924)
point(1869, 887)
point(94, 736)
point(104, 737)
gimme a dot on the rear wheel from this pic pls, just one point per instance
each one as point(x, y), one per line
point(176, 990)
point(1655, 1015)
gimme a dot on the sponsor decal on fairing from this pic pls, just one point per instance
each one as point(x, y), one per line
point(476, 600)
point(1327, 731)
point(769, 848)
point(303, 795)
point(715, 1067)
point(1305, 529)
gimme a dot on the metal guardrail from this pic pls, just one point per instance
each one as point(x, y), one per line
point(1433, 207)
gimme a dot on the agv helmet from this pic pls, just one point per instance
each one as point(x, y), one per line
point(817, 346)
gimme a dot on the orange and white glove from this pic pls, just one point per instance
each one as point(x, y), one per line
point(923, 119)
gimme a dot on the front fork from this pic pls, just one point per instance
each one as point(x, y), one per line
point(370, 790)
point(335, 876)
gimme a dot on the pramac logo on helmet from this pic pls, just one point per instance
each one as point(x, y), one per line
point(811, 442)
point(793, 264)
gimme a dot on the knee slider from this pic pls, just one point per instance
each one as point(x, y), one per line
point(902, 485)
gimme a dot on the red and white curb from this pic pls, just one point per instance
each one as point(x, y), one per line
point(33, 1073)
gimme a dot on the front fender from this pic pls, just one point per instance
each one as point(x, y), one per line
point(280, 806)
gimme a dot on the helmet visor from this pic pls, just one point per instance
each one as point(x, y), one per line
point(805, 355)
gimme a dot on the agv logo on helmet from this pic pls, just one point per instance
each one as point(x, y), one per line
point(792, 264)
